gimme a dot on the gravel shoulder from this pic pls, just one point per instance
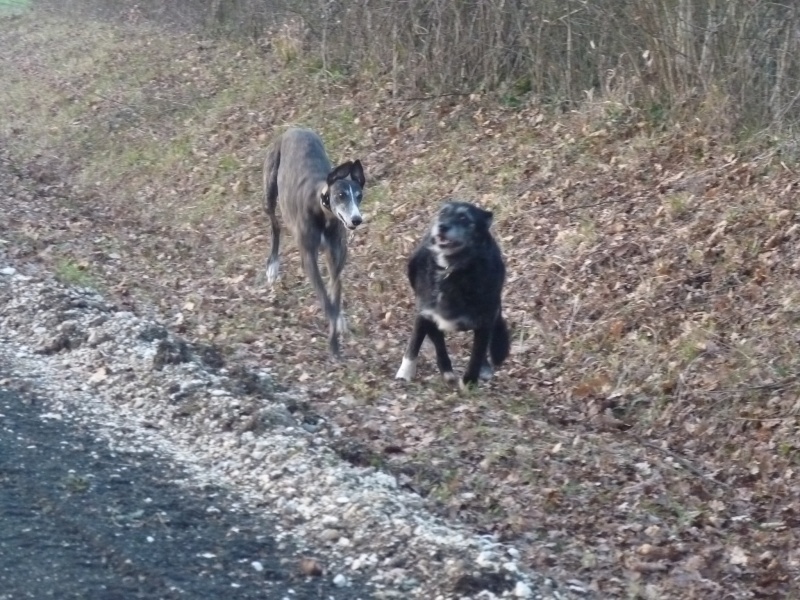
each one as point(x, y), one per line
point(83, 519)
point(133, 384)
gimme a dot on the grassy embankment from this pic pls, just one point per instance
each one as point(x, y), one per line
point(643, 437)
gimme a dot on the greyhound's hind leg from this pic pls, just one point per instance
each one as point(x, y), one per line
point(273, 262)
point(273, 270)
point(271, 166)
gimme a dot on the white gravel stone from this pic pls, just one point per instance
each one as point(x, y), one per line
point(522, 590)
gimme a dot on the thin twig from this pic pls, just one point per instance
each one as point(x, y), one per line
point(778, 417)
point(778, 385)
point(434, 97)
point(683, 462)
point(592, 205)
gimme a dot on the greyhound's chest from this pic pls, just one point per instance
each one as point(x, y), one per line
point(332, 236)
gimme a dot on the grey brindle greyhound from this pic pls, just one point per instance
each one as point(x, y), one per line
point(317, 203)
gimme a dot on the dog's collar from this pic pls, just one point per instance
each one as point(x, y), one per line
point(325, 197)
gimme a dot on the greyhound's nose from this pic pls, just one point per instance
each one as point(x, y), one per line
point(357, 220)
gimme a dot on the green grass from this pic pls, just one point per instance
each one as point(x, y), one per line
point(74, 274)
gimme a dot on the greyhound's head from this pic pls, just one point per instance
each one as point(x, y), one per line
point(342, 196)
point(458, 225)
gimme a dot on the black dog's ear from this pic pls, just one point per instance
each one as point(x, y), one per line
point(325, 197)
point(340, 172)
point(486, 217)
point(357, 173)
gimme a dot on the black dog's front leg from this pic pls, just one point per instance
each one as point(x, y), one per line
point(423, 327)
point(480, 346)
point(408, 368)
point(442, 357)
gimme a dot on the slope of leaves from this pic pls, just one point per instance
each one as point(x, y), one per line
point(642, 440)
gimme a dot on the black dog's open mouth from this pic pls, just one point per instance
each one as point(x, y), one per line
point(447, 244)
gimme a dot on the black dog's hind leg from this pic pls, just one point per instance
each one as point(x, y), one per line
point(487, 370)
point(499, 347)
point(480, 346)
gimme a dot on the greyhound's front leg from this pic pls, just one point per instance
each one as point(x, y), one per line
point(309, 259)
point(336, 255)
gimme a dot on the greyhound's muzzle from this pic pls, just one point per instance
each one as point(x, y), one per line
point(351, 218)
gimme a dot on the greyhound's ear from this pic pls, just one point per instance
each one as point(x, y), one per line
point(325, 197)
point(340, 172)
point(357, 173)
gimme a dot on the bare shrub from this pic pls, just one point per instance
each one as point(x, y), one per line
point(673, 55)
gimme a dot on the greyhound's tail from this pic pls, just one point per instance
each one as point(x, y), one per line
point(271, 164)
point(500, 345)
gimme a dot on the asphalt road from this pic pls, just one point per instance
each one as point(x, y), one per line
point(80, 521)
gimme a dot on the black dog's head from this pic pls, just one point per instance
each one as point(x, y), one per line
point(457, 226)
point(342, 196)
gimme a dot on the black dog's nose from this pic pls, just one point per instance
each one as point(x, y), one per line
point(443, 228)
point(357, 221)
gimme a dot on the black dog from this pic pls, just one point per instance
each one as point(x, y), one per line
point(457, 274)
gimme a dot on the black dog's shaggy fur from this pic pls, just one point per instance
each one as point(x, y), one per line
point(457, 274)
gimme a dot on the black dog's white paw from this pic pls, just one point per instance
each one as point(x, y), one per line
point(407, 370)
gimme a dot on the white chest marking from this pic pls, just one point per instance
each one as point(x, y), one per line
point(442, 323)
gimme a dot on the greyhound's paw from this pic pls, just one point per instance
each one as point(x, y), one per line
point(486, 373)
point(341, 325)
point(273, 272)
point(407, 370)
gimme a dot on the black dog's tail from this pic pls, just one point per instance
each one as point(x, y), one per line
point(500, 345)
